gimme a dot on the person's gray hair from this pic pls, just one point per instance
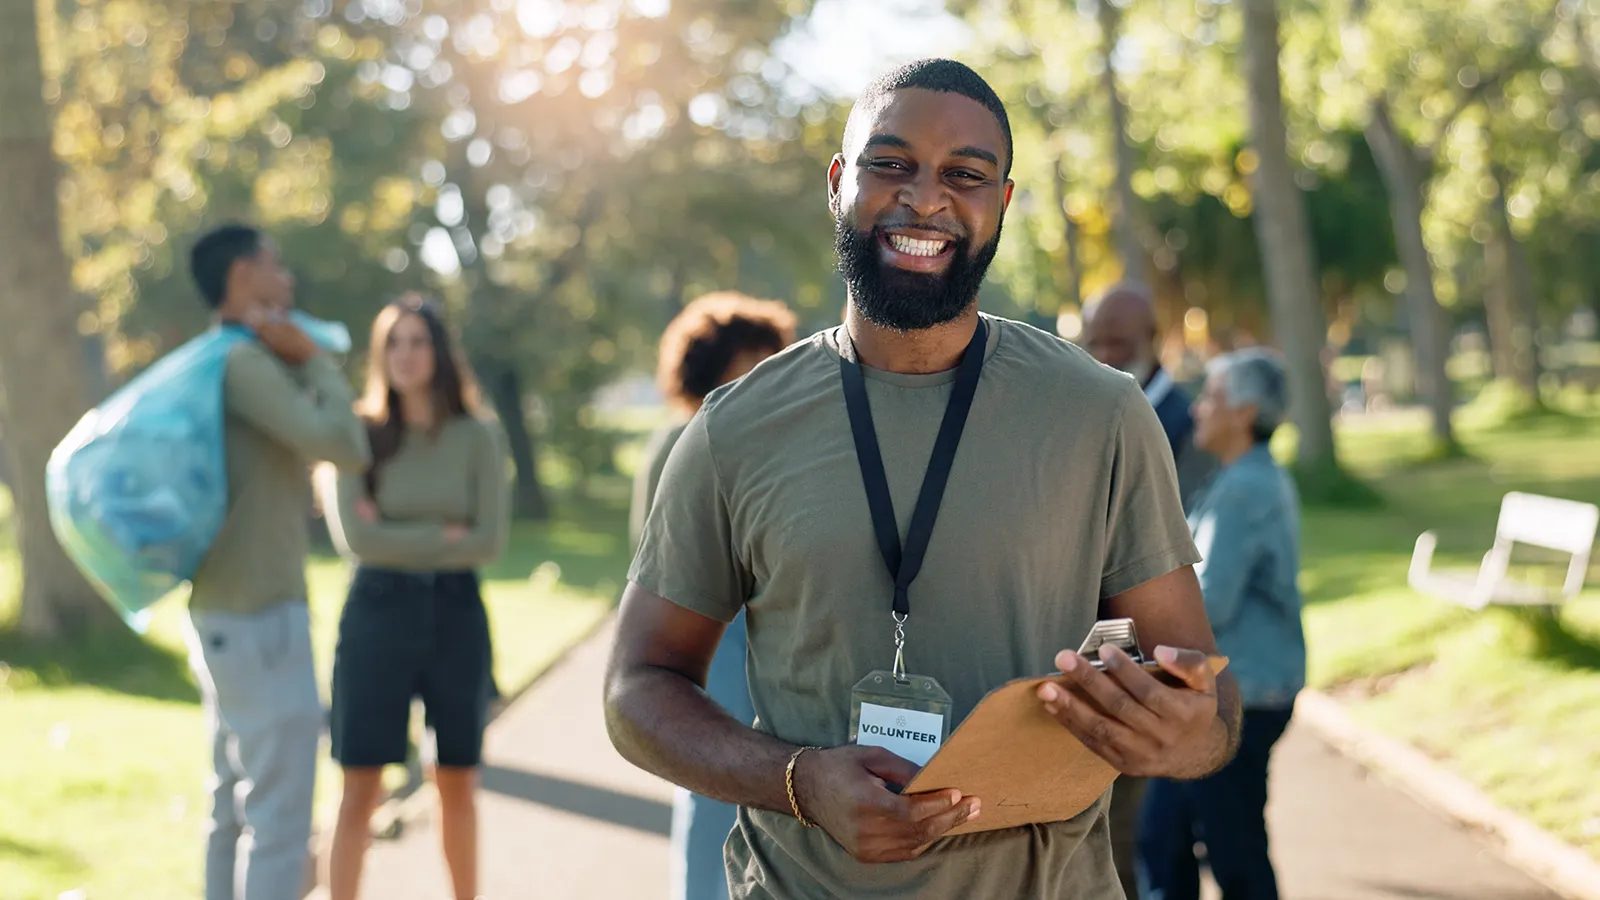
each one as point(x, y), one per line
point(1255, 376)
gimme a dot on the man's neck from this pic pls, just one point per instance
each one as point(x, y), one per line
point(1150, 377)
point(921, 352)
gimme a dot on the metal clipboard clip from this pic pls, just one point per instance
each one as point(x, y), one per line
point(1120, 633)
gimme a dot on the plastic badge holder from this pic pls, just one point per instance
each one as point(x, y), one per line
point(137, 490)
point(917, 693)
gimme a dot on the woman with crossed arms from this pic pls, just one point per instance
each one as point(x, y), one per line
point(430, 510)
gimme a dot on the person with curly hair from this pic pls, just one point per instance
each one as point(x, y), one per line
point(717, 339)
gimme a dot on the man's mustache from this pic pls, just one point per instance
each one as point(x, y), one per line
point(952, 230)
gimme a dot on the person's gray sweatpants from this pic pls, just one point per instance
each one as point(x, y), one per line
point(264, 717)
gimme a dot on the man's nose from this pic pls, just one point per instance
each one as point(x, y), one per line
point(925, 194)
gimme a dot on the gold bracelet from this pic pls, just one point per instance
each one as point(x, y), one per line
point(788, 783)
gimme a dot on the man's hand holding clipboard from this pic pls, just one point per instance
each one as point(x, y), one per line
point(1135, 719)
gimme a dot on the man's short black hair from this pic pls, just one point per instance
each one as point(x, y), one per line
point(945, 76)
point(213, 257)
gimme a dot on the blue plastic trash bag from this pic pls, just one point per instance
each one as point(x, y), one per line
point(138, 489)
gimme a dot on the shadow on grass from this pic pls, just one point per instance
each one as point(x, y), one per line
point(116, 660)
point(1553, 642)
point(1338, 578)
point(57, 857)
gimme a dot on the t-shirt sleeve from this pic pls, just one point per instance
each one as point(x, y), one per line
point(648, 479)
point(315, 419)
point(1146, 533)
point(686, 553)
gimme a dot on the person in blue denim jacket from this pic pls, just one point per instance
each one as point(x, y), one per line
point(717, 339)
point(1247, 527)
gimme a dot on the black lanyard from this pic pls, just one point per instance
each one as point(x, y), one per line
point(903, 567)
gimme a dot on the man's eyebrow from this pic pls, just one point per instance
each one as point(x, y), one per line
point(887, 140)
point(969, 152)
point(978, 153)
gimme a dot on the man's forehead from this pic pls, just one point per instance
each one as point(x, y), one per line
point(917, 115)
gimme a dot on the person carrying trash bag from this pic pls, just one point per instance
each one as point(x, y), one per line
point(198, 471)
point(286, 405)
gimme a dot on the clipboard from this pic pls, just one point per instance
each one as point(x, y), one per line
point(1014, 756)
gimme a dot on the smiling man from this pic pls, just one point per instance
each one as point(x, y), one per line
point(913, 509)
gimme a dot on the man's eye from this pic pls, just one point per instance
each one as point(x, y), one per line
point(886, 164)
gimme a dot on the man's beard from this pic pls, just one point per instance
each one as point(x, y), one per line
point(899, 300)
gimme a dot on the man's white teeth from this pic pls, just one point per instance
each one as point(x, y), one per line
point(914, 247)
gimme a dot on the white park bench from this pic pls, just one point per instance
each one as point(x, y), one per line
point(1566, 526)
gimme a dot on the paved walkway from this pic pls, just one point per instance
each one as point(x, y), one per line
point(563, 817)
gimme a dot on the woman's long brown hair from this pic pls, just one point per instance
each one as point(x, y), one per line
point(454, 389)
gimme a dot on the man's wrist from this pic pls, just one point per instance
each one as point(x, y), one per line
point(1221, 742)
point(1204, 756)
point(793, 788)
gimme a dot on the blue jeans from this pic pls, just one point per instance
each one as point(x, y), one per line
point(259, 692)
point(1225, 811)
point(700, 825)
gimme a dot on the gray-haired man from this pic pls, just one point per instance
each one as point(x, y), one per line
point(1119, 330)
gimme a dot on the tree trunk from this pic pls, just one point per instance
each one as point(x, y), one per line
point(1283, 233)
point(5, 455)
point(41, 369)
point(504, 388)
point(1126, 224)
point(1508, 299)
point(1497, 303)
point(1073, 286)
point(676, 301)
point(1402, 178)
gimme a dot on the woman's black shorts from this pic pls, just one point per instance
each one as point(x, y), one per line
point(405, 635)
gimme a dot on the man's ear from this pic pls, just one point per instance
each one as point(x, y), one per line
point(835, 179)
point(1006, 204)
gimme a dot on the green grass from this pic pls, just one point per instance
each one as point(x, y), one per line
point(1508, 699)
point(104, 747)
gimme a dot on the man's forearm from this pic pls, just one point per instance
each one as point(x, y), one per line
point(1230, 715)
point(666, 724)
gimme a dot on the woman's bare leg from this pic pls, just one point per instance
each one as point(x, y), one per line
point(363, 787)
point(458, 815)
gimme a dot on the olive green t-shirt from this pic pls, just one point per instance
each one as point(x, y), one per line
point(278, 421)
point(1062, 493)
point(457, 475)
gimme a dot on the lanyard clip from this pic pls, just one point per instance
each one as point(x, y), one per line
point(899, 645)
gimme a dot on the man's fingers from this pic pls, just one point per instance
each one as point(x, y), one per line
point(1108, 738)
point(1118, 690)
point(1145, 687)
point(1190, 666)
point(888, 766)
point(1102, 689)
point(926, 806)
point(935, 826)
